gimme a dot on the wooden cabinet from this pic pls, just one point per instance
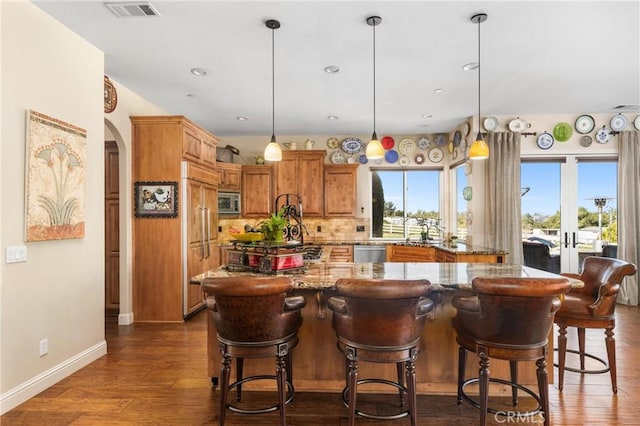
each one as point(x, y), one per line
point(302, 173)
point(167, 251)
point(229, 176)
point(257, 191)
point(410, 254)
point(340, 190)
point(341, 253)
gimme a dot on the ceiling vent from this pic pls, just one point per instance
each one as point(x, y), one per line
point(129, 9)
point(629, 107)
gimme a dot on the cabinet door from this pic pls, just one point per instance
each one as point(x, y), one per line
point(410, 254)
point(257, 192)
point(191, 145)
point(342, 253)
point(310, 170)
point(286, 175)
point(229, 176)
point(340, 190)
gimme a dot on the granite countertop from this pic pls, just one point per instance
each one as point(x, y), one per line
point(443, 276)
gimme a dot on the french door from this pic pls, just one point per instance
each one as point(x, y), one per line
point(569, 204)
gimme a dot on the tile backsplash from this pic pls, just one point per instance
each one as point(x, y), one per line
point(317, 229)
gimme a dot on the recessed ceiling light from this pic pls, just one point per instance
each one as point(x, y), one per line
point(200, 72)
point(470, 66)
point(331, 69)
point(438, 91)
point(332, 117)
point(423, 125)
point(425, 116)
point(190, 95)
point(241, 118)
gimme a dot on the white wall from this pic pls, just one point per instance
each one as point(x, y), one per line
point(58, 293)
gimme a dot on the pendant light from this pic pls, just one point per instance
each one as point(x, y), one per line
point(273, 151)
point(479, 149)
point(375, 151)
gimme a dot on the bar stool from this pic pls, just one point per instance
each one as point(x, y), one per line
point(509, 319)
point(592, 306)
point(380, 321)
point(254, 318)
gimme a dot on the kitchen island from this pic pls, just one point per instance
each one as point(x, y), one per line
point(319, 366)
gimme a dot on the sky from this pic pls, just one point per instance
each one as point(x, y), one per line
point(594, 179)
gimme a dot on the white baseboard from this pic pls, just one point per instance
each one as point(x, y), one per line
point(125, 319)
point(16, 396)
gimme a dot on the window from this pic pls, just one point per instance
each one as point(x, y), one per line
point(402, 201)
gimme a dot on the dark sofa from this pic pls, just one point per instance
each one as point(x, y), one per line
point(537, 256)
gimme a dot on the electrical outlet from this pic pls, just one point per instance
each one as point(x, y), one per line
point(359, 228)
point(44, 347)
point(319, 228)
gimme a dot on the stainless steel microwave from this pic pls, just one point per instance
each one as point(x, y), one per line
point(228, 203)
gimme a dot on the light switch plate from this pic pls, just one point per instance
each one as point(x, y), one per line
point(16, 254)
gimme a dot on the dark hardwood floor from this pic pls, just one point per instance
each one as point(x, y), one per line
point(155, 374)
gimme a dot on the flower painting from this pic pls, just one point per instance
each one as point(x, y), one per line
point(55, 179)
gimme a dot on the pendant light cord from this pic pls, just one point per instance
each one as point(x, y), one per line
point(479, 76)
point(273, 87)
point(374, 78)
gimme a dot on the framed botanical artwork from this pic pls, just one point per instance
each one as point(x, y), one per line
point(156, 199)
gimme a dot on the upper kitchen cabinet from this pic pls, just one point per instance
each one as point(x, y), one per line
point(168, 251)
point(229, 176)
point(302, 173)
point(340, 190)
point(257, 191)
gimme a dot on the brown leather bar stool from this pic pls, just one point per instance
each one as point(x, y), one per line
point(254, 318)
point(509, 319)
point(380, 321)
point(592, 306)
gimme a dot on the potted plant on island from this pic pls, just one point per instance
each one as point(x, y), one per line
point(273, 228)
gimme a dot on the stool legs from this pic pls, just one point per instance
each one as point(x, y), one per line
point(225, 370)
point(352, 384)
point(281, 378)
point(483, 375)
point(239, 365)
point(462, 362)
point(411, 389)
point(611, 357)
point(562, 353)
point(401, 373)
point(581, 346)
point(513, 367)
point(543, 387)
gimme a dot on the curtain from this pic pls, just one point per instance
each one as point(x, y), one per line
point(629, 211)
point(503, 217)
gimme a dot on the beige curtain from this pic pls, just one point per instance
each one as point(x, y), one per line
point(629, 211)
point(503, 217)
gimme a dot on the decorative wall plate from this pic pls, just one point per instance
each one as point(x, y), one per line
point(362, 159)
point(585, 124)
point(419, 158)
point(110, 95)
point(467, 168)
point(332, 143)
point(517, 125)
point(435, 155)
point(466, 129)
point(490, 124)
point(404, 161)
point(618, 123)
point(636, 122)
point(457, 137)
point(391, 156)
point(586, 140)
point(467, 193)
point(406, 146)
point(441, 140)
point(337, 157)
point(351, 145)
point(424, 142)
point(387, 142)
point(603, 135)
point(545, 140)
point(562, 132)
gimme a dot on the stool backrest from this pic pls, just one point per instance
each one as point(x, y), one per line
point(382, 312)
point(602, 277)
point(251, 309)
point(510, 311)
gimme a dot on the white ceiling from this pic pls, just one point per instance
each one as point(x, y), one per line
point(556, 57)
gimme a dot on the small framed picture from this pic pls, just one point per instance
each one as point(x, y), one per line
point(156, 199)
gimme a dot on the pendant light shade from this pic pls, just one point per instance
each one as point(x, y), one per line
point(273, 151)
point(479, 150)
point(375, 151)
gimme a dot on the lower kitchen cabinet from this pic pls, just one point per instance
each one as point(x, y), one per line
point(410, 254)
point(340, 253)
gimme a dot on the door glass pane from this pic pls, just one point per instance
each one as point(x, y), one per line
point(597, 207)
point(541, 214)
